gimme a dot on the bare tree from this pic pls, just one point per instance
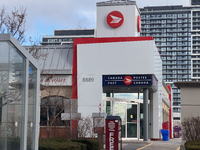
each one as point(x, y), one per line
point(191, 129)
point(14, 23)
point(35, 50)
point(85, 127)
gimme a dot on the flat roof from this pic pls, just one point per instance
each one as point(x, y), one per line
point(181, 84)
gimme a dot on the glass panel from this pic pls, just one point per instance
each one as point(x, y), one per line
point(126, 95)
point(131, 121)
point(31, 107)
point(123, 131)
point(15, 99)
point(4, 71)
point(120, 110)
point(109, 108)
point(141, 121)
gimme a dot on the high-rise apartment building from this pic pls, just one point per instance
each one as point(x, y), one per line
point(176, 31)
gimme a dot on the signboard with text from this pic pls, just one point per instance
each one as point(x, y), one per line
point(56, 80)
point(130, 80)
point(113, 133)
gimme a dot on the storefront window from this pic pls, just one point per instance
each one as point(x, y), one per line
point(52, 107)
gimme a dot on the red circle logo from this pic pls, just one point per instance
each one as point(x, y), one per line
point(139, 24)
point(128, 80)
point(115, 19)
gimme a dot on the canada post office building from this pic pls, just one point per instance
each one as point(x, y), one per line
point(117, 70)
point(120, 71)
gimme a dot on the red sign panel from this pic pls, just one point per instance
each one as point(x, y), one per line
point(112, 135)
point(115, 19)
point(139, 24)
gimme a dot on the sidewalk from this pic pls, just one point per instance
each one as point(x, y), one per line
point(172, 144)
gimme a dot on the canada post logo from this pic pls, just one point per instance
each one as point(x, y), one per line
point(115, 19)
point(128, 80)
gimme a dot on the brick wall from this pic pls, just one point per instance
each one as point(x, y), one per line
point(62, 132)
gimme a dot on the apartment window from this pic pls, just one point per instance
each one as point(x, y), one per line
point(142, 16)
point(153, 16)
point(174, 15)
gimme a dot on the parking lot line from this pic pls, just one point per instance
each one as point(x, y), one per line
point(144, 146)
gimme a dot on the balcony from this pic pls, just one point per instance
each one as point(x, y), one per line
point(196, 21)
point(196, 73)
point(171, 21)
point(171, 40)
point(195, 25)
point(171, 58)
point(196, 16)
point(182, 54)
point(155, 22)
point(182, 16)
point(166, 73)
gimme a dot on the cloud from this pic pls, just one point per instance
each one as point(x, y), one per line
point(44, 16)
point(144, 3)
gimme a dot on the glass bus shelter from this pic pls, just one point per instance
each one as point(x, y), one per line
point(19, 96)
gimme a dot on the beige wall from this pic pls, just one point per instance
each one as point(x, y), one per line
point(166, 110)
point(64, 91)
point(165, 107)
point(190, 102)
point(164, 90)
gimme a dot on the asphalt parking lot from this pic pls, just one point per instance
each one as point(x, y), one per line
point(172, 144)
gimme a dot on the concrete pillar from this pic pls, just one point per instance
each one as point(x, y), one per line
point(145, 113)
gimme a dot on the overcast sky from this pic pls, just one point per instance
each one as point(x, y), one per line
point(46, 15)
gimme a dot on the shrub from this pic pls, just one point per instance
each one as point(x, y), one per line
point(192, 145)
point(92, 144)
point(60, 144)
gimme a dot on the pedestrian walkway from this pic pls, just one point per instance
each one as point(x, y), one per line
point(172, 144)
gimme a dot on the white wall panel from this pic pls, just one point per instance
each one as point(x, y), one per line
point(127, 29)
point(95, 60)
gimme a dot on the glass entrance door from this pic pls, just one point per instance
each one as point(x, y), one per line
point(131, 115)
point(132, 120)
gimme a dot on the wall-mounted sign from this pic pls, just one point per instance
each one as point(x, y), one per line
point(130, 80)
point(115, 19)
point(56, 80)
point(139, 24)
